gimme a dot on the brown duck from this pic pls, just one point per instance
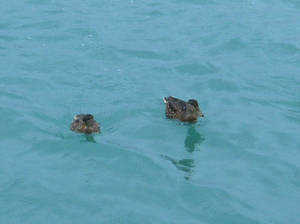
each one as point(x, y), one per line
point(184, 111)
point(85, 123)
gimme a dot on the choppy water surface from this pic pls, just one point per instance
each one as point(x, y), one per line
point(116, 60)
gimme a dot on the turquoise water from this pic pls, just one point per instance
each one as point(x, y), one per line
point(117, 60)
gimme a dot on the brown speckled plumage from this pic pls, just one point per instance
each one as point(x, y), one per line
point(85, 123)
point(184, 111)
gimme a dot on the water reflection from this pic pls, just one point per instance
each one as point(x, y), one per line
point(192, 140)
point(89, 138)
point(82, 137)
point(185, 165)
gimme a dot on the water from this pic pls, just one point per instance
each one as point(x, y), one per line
point(116, 60)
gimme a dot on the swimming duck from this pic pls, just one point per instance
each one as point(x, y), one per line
point(85, 123)
point(184, 111)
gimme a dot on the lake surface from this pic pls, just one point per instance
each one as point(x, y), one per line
point(117, 60)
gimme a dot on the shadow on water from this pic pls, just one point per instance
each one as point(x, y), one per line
point(192, 140)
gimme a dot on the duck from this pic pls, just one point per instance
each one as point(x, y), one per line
point(85, 123)
point(186, 111)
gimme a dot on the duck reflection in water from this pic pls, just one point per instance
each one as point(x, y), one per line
point(88, 138)
point(185, 165)
point(192, 139)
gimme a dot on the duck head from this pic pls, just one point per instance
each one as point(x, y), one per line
point(195, 104)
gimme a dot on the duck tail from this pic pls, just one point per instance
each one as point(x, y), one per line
point(165, 100)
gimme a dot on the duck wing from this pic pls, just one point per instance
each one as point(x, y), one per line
point(174, 107)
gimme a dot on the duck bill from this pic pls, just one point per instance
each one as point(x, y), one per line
point(200, 114)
